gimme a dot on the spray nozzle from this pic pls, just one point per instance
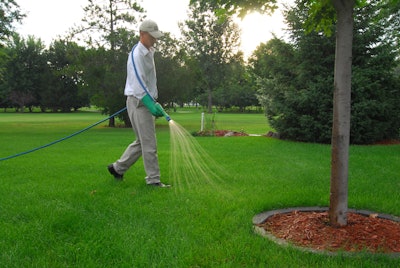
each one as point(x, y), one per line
point(167, 117)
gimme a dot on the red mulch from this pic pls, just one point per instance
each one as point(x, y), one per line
point(388, 142)
point(312, 230)
point(221, 133)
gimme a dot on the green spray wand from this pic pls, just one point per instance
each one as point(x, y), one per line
point(164, 113)
point(154, 107)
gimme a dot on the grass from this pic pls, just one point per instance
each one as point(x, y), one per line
point(60, 207)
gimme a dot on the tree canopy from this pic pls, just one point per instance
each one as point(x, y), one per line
point(297, 81)
point(10, 14)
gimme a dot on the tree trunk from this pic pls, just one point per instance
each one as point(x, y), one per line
point(111, 122)
point(341, 113)
point(209, 102)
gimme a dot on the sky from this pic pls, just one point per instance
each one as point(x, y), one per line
point(49, 19)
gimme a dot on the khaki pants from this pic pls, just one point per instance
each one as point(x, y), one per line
point(145, 144)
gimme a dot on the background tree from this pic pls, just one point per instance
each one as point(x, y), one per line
point(189, 76)
point(298, 77)
point(105, 21)
point(171, 71)
point(10, 13)
point(42, 78)
point(26, 65)
point(104, 76)
point(238, 89)
point(110, 26)
point(212, 43)
point(375, 87)
point(62, 88)
point(4, 90)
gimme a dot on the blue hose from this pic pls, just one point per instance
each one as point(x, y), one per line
point(62, 139)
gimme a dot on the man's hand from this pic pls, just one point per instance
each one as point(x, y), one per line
point(154, 109)
point(160, 109)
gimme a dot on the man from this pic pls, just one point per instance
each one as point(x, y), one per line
point(141, 91)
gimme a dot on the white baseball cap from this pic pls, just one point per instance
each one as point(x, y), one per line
point(151, 27)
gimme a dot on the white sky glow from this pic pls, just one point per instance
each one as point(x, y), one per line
point(50, 19)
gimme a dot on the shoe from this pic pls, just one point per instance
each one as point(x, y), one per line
point(116, 175)
point(159, 184)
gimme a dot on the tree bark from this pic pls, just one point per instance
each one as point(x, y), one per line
point(209, 101)
point(111, 122)
point(341, 113)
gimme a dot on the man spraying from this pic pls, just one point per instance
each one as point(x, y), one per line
point(141, 91)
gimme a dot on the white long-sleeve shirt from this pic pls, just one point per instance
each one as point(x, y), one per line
point(144, 61)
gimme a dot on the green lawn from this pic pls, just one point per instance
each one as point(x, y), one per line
point(61, 208)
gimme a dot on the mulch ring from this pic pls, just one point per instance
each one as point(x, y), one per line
point(311, 229)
